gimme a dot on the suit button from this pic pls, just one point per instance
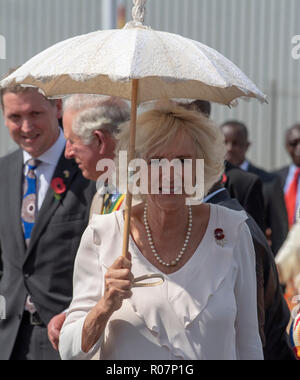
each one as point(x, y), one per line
point(26, 276)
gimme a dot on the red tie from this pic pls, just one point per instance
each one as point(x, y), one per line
point(291, 198)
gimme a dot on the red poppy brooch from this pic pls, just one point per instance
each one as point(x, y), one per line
point(220, 237)
point(224, 178)
point(58, 187)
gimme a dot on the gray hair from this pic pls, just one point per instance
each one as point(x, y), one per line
point(96, 112)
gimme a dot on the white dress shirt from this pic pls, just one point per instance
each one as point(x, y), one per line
point(44, 173)
point(45, 170)
point(207, 309)
point(245, 166)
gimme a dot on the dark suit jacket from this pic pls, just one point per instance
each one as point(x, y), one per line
point(275, 211)
point(247, 189)
point(282, 174)
point(273, 312)
point(45, 269)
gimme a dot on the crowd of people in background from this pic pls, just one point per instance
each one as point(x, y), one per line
point(50, 210)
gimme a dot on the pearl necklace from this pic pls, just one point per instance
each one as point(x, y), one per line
point(151, 243)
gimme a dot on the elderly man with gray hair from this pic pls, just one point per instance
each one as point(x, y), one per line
point(90, 124)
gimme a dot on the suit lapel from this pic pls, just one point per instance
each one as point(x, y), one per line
point(284, 174)
point(15, 180)
point(251, 168)
point(65, 170)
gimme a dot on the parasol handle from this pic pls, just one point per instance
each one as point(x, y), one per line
point(138, 281)
point(128, 205)
point(138, 10)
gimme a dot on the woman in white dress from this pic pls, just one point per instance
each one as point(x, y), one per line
point(206, 307)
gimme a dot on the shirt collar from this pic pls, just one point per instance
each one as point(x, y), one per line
point(245, 165)
point(293, 168)
point(52, 155)
point(209, 196)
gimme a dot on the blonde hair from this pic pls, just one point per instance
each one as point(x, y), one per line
point(159, 126)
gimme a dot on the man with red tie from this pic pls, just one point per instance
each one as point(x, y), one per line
point(290, 175)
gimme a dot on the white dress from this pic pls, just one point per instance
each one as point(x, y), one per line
point(206, 310)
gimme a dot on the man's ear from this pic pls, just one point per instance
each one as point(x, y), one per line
point(101, 139)
point(106, 143)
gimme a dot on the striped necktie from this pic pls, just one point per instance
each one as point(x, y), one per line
point(107, 201)
point(29, 202)
point(112, 202)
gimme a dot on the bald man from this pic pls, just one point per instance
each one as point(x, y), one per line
point(237, 144)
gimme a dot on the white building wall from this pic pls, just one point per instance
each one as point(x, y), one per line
point(254, 34)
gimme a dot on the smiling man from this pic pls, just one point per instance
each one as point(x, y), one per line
point(40, 230)
point(31, 120)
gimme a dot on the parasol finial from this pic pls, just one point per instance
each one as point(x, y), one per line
point(138, 10)
point(138, 13)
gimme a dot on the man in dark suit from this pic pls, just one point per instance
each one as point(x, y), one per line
point(237, 144)
point(247, 189)
point(290, 175)
point(273, 312)
point(44, 202)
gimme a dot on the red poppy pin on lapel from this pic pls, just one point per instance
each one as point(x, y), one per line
point(58, 187)
point(224, 178)
point(220, 237)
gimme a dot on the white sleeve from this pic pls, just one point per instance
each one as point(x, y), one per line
point(248, 342)
point(87, 291)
